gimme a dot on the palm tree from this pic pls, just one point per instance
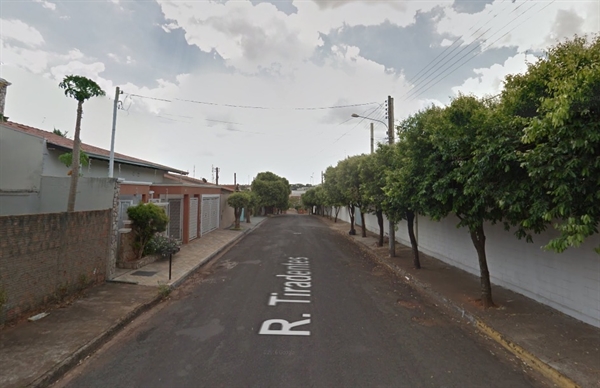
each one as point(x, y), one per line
point(81, 89)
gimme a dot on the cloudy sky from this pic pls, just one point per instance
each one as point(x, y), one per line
point(250, 86)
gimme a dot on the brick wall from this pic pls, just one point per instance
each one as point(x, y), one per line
point(45, 256)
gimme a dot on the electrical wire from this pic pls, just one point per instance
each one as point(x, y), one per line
point(414, 96)
point(443, 67)
point(417, 76)
point(253, 106)
point(414, 93)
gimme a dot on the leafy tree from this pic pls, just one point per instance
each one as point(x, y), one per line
point(332, 191)
point(60, 133)
point(238, 201)
point(147, 219)
point(474, 172)
point(250, 207)
point(348, 171)
point(81, 89)
point(409, 161)
point(67, 159)
point(315, 197)
point(557, 105)
point(373, 169)
point(272, 191)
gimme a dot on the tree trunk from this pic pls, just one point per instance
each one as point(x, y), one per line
point(337, 211)
point(75, 160)
point(364, 224)
point(379, 214)
point(351, 211)
point(247, 215)
point(410, 218)
point(478, 237)
point(237, 212)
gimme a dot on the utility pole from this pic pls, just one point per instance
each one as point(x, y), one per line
point(234, 179)
point(391, 226)
point(111, 162)
point(372, 138)
point(217, 175)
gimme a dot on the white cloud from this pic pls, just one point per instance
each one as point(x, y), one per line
point(446, 43)
point(34, 61)
point(127, 60)
point(525, 25)
point(89, 70)
point(18, 31)
point(253, 37)
point(270, 55)
point(46, 4)
point(490, 81)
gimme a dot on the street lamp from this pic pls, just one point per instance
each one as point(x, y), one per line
point(368, 118)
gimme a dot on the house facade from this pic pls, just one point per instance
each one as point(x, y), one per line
point(34, 180)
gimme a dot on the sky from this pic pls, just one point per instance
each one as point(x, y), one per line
point(252, 86)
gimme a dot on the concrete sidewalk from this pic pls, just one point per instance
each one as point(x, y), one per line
point(565, 350)
point(35, 354)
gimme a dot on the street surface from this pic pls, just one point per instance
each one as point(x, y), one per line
point(295, 304)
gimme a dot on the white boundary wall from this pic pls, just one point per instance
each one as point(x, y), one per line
point(568, 281)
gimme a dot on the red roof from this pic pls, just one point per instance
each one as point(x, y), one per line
point(91, 150)
point(188, 179)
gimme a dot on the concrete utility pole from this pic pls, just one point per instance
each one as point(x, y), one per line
point(111, 161)
point(392, 227)
point(217, 175)
point(372, 140)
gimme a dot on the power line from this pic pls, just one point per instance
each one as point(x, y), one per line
point(413, 94)
point(253, 106)
point(417, 76)
point(443, 65)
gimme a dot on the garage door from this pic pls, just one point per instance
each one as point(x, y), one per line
point(193, 218)
point(210, 213)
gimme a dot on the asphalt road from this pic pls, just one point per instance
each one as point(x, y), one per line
point(360, 327)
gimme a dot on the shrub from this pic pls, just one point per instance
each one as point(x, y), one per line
point(162, 245)
point(147, 219)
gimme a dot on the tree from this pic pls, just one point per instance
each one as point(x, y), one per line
point(250, 206)
point(272, 191)
point(408, 162)
point(60, 133)
point(557, 106)
point(313, 198)
point(474, 172)
point(349, 185)
point(238, 201)
point(332, 191)
point(81, 89)
point(67, 159)
point(147, 219)
point(373, 169)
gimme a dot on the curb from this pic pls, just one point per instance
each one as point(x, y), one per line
point(521, 353)
point(177, 282)
point(71, 361)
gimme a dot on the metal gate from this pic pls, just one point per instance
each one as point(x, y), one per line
point(193, 225)
point(210, 213)
point(123, 205)
point(175, 218)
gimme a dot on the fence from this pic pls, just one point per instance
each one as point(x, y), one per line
point(44, 257)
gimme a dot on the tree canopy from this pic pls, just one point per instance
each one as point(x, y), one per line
point(528, 158)
point(271, 190)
